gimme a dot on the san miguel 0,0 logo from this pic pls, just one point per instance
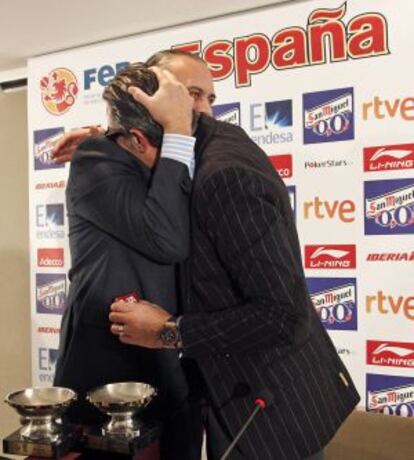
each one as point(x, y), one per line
point(59, 90)
point(326, 38)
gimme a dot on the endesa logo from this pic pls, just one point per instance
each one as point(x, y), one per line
point(326, 38)
point(393, 354)
point(385, 304)
point(49, 220)
point(50, 293)
point(283, 165)
point(335, 300)
point(390, 395)
point(230, 113)
point(389, 157)
point(328, 116)
point(59, 89)
point(270, 122)
point(47, 358)
point(43, 142)
point(50, 257)
point(330, 256)
point(389, 207)
point(391, 256)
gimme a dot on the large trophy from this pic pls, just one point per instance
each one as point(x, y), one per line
point(42, 434)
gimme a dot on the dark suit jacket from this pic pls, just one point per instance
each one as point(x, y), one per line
point(127, 227)
point(248, 319)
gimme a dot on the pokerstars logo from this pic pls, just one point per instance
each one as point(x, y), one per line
point(335, 301)
point(328, 116)
point(50, 257)
point(389, 157)
point(391, 395)
point(229, 113)
point(393, 354)
point(283, 165)
point(330, 256)
point(59, 89)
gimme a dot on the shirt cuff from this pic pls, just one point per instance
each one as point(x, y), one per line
point(179, 148)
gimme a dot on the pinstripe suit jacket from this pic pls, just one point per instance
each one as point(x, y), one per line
point(249, 322)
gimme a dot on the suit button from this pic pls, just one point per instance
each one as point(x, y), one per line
point(227, 355)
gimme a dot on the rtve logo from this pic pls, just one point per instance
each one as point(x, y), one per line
point(389, 108)
point(319, 209)
point(389, 305)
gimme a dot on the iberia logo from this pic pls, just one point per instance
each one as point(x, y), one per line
point(59, 90)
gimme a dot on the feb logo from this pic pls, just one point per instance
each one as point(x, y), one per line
point(43, 142)
point(390, 395)
point(335, 301)
point(328, 116)
point(394, 354)
point(330, 256)
point(389, 207)
point(389, 157)
point(50, 293)
point(230, 113)
point(59, 90)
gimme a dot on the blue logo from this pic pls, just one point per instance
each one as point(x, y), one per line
point(390, 395)
point(43, 142)
point(328, 116)
point(101, 75)
point(335, 301)
point(50, 215)
point(229, 113)
point(389, 207)
point(50, 293)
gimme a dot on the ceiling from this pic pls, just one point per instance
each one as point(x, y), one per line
point(30, 29)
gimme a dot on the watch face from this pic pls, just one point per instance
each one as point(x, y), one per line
point(170, 336)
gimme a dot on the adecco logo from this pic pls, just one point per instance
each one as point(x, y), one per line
point(50, 257)
point(282, 164)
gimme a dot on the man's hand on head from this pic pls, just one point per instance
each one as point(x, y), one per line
point(138, 323)
point(171, 105)
point(66, 146)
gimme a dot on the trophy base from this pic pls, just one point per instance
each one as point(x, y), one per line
point(96, 439)
point(15, 444)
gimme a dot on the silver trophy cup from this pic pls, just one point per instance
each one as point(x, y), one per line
point(122, 401)
point(39, 410)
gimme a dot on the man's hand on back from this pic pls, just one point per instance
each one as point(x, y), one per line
point(67, 145)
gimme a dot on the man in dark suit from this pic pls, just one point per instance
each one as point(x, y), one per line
point(127, 198)
point(247, 324)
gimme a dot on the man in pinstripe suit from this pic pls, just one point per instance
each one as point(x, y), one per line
point(247, 323)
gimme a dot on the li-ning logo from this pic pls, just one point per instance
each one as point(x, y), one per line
point(282, 164)
point(326, 39)
point(389, 157)
point(59, 91)
point(230, 113)
point(389, 207)
point(328, 116)
point(335, 302)
point(394, 354)
point(330, 256)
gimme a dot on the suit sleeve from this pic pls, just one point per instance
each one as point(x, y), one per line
point(246, 226)
point(154, 222)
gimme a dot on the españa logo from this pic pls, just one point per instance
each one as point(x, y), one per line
point(229, 113)
point(328, 116)
point(330, 256)
point(59, 89)
point(335, 301)
point(391, 395)
point(393, 354)
point(389, 157)
point(389, 207)
point(43, 141)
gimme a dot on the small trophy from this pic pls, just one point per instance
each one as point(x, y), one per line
point(41, 433)
point(123, 433)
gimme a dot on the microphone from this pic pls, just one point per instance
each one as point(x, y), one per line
point(264, 399)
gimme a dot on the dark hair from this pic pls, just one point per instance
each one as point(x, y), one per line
point(124, 111)
point(163, 58)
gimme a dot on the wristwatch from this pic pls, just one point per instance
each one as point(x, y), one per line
point(170, 334)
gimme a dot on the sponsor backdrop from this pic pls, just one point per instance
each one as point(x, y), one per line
point(324, 88)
